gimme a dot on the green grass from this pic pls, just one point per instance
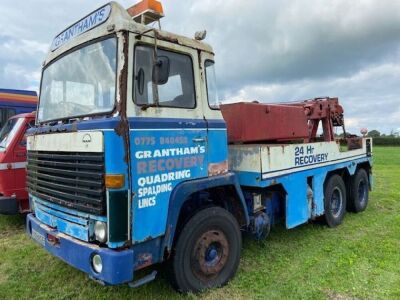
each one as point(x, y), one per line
point(359, 259)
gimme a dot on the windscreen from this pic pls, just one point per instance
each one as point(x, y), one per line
point(80, 83)
point(9, 131)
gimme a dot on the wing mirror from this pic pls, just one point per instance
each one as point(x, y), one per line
point(161, 70)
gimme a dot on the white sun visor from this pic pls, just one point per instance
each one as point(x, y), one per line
point(91, 21)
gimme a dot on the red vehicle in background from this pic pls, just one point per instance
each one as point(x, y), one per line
point(13, 193)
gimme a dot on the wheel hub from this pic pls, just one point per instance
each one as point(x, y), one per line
point(336, 202)
point(210, 254)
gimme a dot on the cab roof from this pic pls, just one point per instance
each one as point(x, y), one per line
point(25, 115)
point(118, 20)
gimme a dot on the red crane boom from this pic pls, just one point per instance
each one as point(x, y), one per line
point(256, 122)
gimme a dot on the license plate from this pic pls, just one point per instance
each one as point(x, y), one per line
point(38, 237)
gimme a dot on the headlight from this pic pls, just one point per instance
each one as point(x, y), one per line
point(100, 231)
point(97, 263)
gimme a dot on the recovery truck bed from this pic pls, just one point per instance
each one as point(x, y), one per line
point(300, 169)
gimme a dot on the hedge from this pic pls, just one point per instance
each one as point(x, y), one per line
point(386, 141)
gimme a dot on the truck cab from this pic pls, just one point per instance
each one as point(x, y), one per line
point(14, 195)
point(127, 126)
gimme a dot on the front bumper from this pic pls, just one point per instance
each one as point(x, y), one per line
point(118, 265)
point(9, 205)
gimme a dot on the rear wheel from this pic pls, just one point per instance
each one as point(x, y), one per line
point(334, 200)
point(359, 191)
point(207, 252)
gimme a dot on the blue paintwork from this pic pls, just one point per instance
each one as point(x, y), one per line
point(79, 231)
point(147, 253)
point(274, 208)
point(295, 184)
point(115, 245)
point(148, 134)
point(108, 123)
point(167, 123)
point(94, 124)
point(261, 225)
point(211, 254)
point(114, 156)
point(117, 265)
point(215, 151)
point(69, 211)
point(21, 92)
point(20, 107)
point(217, 147)
point(151, 139)
point(76, 224)
point(59, 214)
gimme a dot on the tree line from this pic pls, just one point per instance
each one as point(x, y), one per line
point(392, 139)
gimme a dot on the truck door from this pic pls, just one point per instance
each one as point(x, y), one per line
point(216, 128)
point(168, 136)
point(19, 159)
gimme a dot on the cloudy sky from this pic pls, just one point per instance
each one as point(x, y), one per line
point(270, 51)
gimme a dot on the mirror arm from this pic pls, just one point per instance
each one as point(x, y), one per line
point(153, 85)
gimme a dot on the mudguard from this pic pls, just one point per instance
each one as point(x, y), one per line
point(182, 192)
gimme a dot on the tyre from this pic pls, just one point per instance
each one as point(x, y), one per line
point(334, 200)
point(359, 191)
point(207, 252)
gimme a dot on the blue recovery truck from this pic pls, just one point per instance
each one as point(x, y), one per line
point(130, 163)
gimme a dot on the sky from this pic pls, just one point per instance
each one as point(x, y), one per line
point(269, 51)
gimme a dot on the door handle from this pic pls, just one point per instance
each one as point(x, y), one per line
point(199, 140)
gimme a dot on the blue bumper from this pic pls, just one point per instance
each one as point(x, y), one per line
point(118, 265)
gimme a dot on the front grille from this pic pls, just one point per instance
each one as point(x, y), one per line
point(74, 180)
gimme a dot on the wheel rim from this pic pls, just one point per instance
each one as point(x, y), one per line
point(210, 254)
point(362, 192)
point(336, 202)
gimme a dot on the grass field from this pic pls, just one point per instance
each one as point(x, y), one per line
point(358, 260)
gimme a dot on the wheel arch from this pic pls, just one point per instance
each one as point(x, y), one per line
point(183, 194)
point(367, 166)
point(345, 173)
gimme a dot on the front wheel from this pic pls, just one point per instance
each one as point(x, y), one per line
point(207, 251)
point(334, 200)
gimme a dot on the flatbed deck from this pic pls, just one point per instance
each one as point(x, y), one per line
point(273, 160)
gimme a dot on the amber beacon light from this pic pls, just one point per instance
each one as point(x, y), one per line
point(146, 11)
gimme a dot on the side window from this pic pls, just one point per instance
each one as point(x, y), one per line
point(212, 91)
point(22, 142)
point(177, 91)
point(31, 124)
point(5, 114)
